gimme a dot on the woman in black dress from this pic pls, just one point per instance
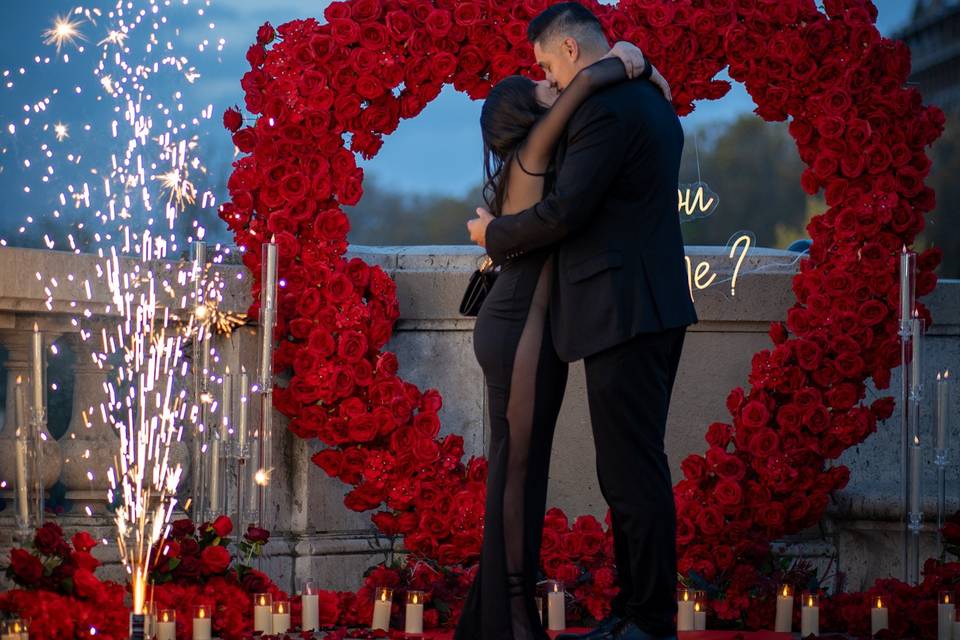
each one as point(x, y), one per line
point(521, 123)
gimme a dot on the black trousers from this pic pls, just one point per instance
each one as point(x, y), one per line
point(628, 388)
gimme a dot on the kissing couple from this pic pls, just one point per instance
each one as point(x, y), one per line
point(581, 177)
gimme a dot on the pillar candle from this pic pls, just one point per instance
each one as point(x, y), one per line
point(556, 606)
point(685, 609)
point(201, 623)
point(263, 613)
point(908, 265)
point(36, 364)
point(784, 621)
point(943, 410)
point(242, 419)
point(915, 467)
point(281, 616)
point(22, 442)
point(310, 611)
point(879, 617)
point(167, 625)
point(946, 614)
point(414, 612)
point(809, 615)
point(699, 617)
point(381, 609)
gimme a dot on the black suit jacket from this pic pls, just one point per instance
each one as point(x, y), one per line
point(611, 216)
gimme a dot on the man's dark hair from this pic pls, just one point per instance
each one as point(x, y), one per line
point(566, 19)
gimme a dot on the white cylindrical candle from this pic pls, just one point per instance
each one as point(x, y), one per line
point(915, 468)
point(946, 615)
point(381, 609)
point(242, 417)
point(310, 611)
point(879, 617)
point(263, 613)
point(908, 265)
point(700, 611)
point(414, 613)
point(167, 625)
point(37, 368)
point(943, 411)
point(281, 616)
point(21, 446)
point(784, 621)
point(809, 615)
point(202, 624)
point(685, 609)
point(556, 606)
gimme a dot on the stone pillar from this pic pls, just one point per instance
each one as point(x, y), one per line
point(17, 344)
point(90, 443)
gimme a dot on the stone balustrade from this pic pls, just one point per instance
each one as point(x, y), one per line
point(316, 536)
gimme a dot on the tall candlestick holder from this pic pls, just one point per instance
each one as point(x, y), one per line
point(201, 367)
point(910, 392)
point(38, 416)
point(28, 485)
point(268, 314)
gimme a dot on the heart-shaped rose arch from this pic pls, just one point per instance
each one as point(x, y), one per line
point(326, 92)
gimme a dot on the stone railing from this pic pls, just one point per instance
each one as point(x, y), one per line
point(315, 535)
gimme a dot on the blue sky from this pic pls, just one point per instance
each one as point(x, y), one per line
point(438, 152)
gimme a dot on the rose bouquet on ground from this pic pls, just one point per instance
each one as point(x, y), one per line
point(59, 592)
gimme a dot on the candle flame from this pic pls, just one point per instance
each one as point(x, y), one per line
point(809, 601)
point(946, 598)
point(202, 612)
point(165, 616)
point(696, 607)
point(416, 599)
point(686, 595)
point(786, 590)
point(879, 602)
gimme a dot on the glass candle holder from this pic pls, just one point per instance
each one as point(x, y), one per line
point(414, 612)
point(556, 606)
point(281, 616)
point(166, 627)
point(202, 622)
point(263, 613)
point(381, 608)
point(309, 606)
point(686, 600)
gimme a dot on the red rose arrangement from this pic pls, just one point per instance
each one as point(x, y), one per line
point(319, 94)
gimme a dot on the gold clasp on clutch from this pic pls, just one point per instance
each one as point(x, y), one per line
point(485, 264)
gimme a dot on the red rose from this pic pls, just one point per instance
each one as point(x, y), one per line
point(49, 539)
point(755, 414)
point(26, 567)
point(181, 528)
point(710, 521)
point(86, 584)
point(256, 535)
point(83, 560)
point(266, 33)
point(222, 526)
point(83, 541)
point(232, 119)
point(399, 25)
point(438, 23)
point(694, 467)
point(215, 560)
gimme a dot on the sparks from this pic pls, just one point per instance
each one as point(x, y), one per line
point(63, 31)
point(60, 130)
point(181, 191)
point(114, 37)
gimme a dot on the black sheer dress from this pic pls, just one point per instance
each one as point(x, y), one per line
point(525, 383)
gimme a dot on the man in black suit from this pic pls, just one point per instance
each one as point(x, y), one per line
point(619, 300)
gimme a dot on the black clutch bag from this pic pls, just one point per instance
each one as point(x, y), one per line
point(481, 281)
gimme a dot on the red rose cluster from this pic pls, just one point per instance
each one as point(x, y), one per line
point(321, 93)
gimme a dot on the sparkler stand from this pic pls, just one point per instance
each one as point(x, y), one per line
point(268, 314)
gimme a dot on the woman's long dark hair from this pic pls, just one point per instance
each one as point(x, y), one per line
point(508, 114)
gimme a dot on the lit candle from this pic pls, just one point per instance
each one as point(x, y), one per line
point(556, 606)
point(381, 609)
point(263, 613)
point(414, 619)
point(943, 411)
point(309, 606)
point(242, 419)
point(36, 362)
point(908, 265)
point(784, 622)
point(201, 622)
point(809, 615)
point(23, 500)
point(915, 462)
point(946, 614)
point(685, 608)
point(700, 612)
point(879, 617)
point(281, 616)
point(167, 625)
point(916, 363)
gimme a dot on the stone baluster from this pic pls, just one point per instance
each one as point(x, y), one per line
point(90, 443)
point(17, 343)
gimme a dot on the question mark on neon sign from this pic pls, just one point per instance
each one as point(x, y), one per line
point(745, 239)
